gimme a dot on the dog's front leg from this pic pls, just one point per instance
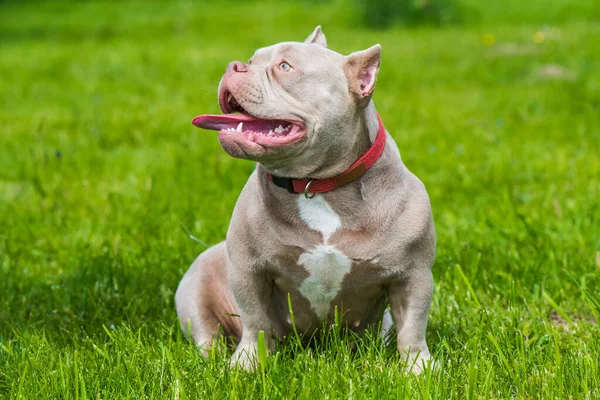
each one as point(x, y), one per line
point(253, 291)
point(409, 303)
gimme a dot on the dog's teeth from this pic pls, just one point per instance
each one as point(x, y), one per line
point(279, 129)
point(239, 127)
point(229, 97)
point(287, 128)
point(271, 133)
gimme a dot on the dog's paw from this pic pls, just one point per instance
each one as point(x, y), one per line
point(417, 366)
point(245, 357)
point(417, 363)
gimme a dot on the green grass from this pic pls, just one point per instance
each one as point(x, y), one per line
point(100, 166)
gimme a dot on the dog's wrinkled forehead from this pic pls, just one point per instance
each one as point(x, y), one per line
point(297, 54)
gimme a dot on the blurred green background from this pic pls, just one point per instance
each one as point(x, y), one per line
point(494, 105)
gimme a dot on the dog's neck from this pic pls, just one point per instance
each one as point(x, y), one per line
point(354, 192)
point(363, 127)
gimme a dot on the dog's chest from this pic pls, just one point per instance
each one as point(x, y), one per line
point(326, 265)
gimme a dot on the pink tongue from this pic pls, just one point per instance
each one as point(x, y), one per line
point(249, 123)
point(221, 122)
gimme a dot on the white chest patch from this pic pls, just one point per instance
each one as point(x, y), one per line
point(319, 215)
point(325, 264)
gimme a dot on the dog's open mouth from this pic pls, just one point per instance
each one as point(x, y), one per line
point(237, 121)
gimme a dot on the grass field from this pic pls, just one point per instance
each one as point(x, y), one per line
point(100, 168)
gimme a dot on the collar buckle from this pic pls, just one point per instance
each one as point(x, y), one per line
point(306, 190)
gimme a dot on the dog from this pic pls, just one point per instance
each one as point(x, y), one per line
point(331, 218)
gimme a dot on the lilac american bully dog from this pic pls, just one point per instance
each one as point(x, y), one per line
point(330, 217)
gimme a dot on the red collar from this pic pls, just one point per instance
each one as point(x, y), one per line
point(353, 172)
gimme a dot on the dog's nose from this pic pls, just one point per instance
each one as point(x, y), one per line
point(237, 66)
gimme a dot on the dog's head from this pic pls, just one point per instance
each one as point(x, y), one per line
point(293, 103)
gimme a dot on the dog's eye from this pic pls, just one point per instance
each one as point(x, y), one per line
point(284, 66)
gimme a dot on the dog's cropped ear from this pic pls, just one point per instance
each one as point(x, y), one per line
point(361, 69)
point(317, 37)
